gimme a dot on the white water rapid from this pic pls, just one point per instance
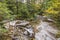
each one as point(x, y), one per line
point(45, 32)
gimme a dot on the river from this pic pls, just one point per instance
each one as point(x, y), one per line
point(45, 32)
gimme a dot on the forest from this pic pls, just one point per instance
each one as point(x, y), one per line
point(19, 14)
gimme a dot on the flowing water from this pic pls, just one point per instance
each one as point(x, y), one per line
point(45, 32)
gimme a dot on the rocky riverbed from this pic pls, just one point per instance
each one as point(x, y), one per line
point(23, 30)
point(20, 30)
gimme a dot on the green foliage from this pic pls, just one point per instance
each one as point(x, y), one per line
point(53, 11)
point(2, 30)
point(4, 12)
point(22, 10)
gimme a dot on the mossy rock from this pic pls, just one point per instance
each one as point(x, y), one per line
point(5, 37)
point(58, 35)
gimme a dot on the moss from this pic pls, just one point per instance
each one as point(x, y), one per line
point(58, 35)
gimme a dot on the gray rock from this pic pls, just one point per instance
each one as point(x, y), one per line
point(22, 24)
point(58, 38)
point(50, 20)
